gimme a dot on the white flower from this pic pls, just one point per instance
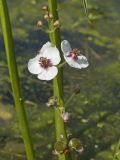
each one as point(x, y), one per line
point(65, 116)
point(44, 63)
point(73, 56)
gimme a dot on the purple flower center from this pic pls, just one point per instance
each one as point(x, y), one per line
point(74, 54)
point(44, 62)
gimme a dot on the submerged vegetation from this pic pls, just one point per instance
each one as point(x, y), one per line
point(95, 111)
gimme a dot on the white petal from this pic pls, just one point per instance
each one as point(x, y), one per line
point(36, 58)
point(53, 54)
point(45, 46)
point(48, 74)
point(34, 66)
point(82, 60)
point(80, 63)
point(65, 47)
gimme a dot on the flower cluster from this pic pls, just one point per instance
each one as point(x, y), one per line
point(44, 64)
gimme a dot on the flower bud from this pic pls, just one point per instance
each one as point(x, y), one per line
point(50, 16)
point(65, 116)
point(74, 143)
point(46, 16)
point(39, 23)
point(45, 8)
point(61, 137)
point(57, 24)
point(59, 147)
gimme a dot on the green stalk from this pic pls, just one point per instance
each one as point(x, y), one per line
point(58, 81)
point(10, 53)
point(117, 152)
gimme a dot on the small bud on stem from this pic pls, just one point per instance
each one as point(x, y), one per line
point(57, 24)
point(45, 8)
point(46, 17)
point(65, 116)
point(39, 23)
point(50, 16)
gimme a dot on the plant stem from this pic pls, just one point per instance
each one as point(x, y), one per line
point(62, 64)
point(12, 65)
point(58, 80)
point(117, 152)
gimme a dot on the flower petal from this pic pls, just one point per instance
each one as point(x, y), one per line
point(53, 54)
point(81, 62)
point(65, 47)
point(48, 74)
point(34, 66)
point(44, 47)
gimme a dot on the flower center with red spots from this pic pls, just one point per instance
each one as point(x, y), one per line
point(74, 54)
point(44, 62)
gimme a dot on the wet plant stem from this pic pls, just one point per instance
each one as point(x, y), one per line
point(58, 80)
point(12, 65)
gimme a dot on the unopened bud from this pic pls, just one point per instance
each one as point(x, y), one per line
point(50, 16)
point(61, 137)
point(46, 16)
point(65, 116)
point(45, 8)
point(57, 24)
point(39, 24)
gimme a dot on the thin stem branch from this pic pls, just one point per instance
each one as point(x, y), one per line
point(12, 65)
point(69, 99)
point(58, 81)
point(62, 64)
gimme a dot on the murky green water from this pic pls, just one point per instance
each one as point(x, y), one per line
point(95, 111)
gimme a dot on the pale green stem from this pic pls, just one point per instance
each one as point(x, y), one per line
point(9, 46)
point(117, 152)
point(69, 99)
point(62, 64)
point(85, 7)
point(58, 81)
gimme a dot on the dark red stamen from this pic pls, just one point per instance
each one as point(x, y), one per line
point(74, 54)
point(44, 62)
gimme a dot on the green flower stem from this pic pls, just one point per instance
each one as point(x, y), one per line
point(9, 46)
point(117, 152)
point(58, 81)
point(62, 64)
